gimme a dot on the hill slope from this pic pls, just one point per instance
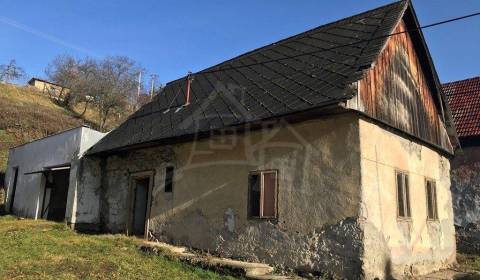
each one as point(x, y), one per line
point(26, 114)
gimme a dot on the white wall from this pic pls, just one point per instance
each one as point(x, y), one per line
point(396, 246)
point(89, 138)
point(58, 149)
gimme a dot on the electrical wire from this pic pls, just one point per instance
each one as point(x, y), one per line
point(341, 46)
point(319, 51)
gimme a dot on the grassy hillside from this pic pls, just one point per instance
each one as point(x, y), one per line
point(91, 116)
point(27, 114)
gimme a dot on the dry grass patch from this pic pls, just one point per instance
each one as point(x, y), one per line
point(28, 114)
point(91, 115)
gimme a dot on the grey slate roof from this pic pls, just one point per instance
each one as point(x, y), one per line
point(245, 89)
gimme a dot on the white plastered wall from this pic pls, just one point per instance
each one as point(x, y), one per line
point(395, 246)
point(59, 149)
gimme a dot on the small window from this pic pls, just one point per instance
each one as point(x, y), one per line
point(263, 194)
point(431, 200)
point(169, 179)
point(403, 195)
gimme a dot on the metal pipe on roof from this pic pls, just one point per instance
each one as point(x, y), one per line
point(189, 81)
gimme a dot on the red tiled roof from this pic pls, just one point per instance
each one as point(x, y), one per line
point(464, 100)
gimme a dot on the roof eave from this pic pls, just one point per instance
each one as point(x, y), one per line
point(302, 115)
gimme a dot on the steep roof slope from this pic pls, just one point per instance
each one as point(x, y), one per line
point(316, 69)
point(464, 100)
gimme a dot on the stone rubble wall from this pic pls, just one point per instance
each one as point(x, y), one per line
point(466, 186)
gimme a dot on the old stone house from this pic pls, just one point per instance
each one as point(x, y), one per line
point(326, 151)
point(464, 100)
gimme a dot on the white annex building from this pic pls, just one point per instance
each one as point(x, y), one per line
point(41, 177)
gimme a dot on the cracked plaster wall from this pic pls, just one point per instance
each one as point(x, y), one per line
point(398, 247)
point(318, 195)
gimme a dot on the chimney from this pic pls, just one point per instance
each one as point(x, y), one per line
point(189, 83)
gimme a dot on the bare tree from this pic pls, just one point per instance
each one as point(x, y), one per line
point(108, 84)
point(11, 71)
point(65, 71)
point(115, 85)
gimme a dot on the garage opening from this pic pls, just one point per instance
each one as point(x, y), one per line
point(140, 193)
point(55, 195)
point(14, 188)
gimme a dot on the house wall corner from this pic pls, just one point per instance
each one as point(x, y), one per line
point(397, 246)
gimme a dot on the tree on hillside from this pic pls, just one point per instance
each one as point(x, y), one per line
point(66, 71)
point(11, 71)
point(114, 86)
point(108, 84)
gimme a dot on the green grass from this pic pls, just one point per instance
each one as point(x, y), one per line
point(46, 250)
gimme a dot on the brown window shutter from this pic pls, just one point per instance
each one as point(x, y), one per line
point(269, 194)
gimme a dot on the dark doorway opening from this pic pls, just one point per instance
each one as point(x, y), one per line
point(55, 195)
point(14, 189)
point(140, 194)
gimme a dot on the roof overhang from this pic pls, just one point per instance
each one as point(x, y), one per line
point(326, 109)
point(65, 166)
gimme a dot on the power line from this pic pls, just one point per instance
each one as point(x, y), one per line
point(318, 51)
point(450, 20)
point(341, 46)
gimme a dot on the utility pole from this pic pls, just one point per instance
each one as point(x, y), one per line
point(139, 83)
point(153, 77)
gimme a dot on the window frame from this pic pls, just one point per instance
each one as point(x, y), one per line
point(406, 196)
point(249, 205)
point(170, 190)
point(434, 200)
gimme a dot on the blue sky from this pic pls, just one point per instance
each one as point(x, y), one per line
point(171, 37)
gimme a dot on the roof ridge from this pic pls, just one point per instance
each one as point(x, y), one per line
point(45, 81)
point(267, 91)
point(295, 36)
point(460, 81)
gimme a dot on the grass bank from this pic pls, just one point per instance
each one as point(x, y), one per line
point(46, 250)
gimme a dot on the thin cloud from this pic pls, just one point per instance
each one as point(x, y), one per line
point(43, 35)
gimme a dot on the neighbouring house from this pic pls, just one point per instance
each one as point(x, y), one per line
point(50, 88)
point(326, 151)
point(42, 176)
point(464, 100)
